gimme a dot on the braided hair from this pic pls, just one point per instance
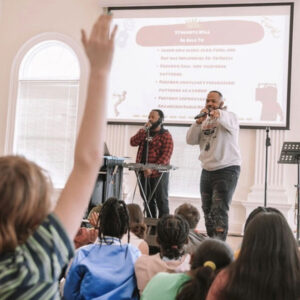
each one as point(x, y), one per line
point(113, 219)
point(172, 234)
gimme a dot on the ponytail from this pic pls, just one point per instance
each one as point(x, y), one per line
point(209, 258)
point(197, 287)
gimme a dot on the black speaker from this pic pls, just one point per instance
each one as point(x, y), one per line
point(151, 235)
point(109, 181)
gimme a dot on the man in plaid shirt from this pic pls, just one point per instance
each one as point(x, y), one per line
point(155, 146)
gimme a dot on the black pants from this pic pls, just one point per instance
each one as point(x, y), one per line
point(217, 188)
point(160, 200)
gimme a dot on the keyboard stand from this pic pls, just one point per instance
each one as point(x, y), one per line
point(150, 198)
point(138, 168)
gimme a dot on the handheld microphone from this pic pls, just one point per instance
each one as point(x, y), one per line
point(203, 114)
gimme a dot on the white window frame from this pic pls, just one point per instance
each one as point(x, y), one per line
point(14, 81)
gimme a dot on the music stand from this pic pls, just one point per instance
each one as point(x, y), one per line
point(290, 154)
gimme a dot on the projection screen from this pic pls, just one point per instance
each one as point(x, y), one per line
point(170, 58)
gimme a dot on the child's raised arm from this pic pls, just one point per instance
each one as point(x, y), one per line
point(89, 146)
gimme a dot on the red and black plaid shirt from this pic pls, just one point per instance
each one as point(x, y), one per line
point(160, 148)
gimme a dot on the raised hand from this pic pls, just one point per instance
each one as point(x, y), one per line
point(99, 46)
point(89, 146)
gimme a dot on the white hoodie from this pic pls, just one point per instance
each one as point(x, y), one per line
point(218, 141)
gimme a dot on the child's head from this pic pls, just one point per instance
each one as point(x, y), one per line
point(210, 257)
point(268, 265)
point(258, 210)
point(190, 213)
point(212, 250)
point(268, 238)
point(93, 216)
point(136, 220)
point(24, 200)
point(114, 219)
point(172, 234)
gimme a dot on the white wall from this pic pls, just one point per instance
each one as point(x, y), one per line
point(21, 20)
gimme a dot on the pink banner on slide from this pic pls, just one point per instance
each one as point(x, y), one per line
point(232, 32)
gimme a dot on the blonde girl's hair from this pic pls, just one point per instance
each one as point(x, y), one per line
point(136, 220)
point(24, 200)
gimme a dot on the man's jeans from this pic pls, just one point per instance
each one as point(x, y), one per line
point(217, 188)
point(160, 199)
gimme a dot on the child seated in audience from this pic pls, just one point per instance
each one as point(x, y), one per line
point(93, 216)
point(106, 269)
point(268, 265)
point(137, 228)
point(254, 213)
point(192, 215)
point(35, 244)
point(208, 259)
point(258, 210)
point(172, 234)
point(88, 234)
point(85, 236)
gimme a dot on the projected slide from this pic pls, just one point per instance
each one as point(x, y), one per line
point(171, 58)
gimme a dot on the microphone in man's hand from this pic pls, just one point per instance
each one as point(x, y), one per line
point(203, 114)
point(148, 127)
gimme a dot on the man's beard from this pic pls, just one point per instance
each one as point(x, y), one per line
point(155, 125)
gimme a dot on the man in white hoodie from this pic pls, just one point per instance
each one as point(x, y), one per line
point(216, 132)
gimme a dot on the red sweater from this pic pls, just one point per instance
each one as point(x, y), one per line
point(160, 147)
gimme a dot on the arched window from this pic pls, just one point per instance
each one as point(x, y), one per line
point(46, 108)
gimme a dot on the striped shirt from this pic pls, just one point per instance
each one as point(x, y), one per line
point(32, 271)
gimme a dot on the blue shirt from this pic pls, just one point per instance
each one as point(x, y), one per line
point(103, 271)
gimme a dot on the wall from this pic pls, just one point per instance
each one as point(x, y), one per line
point(21, 20)
point(25, 19)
